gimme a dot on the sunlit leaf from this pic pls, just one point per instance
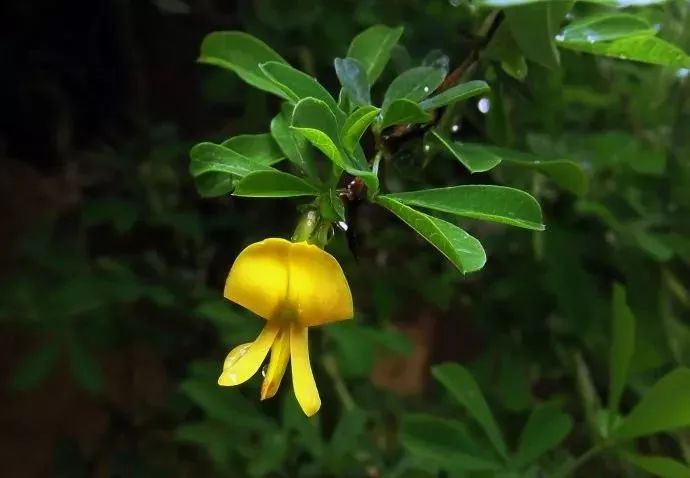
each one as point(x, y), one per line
point(455, 93)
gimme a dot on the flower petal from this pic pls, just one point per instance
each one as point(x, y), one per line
point(242, 362)
point(280, 355)
point(258, 279)
point(318, 290)
point(302, 377)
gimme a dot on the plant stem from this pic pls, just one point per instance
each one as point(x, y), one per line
point(331, 367)
point(569, 469)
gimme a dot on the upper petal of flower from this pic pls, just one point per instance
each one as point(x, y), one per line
point(278, 279)
point(258, 279)
point(318, 290)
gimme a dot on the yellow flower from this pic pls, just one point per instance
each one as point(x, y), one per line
point(293, 286)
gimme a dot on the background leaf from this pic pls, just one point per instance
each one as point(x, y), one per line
point(622, 345)
point(444, 442)
point(462, 386)
point(545, 429)
point(659, 465)
point(644, 48)
point(670, 395)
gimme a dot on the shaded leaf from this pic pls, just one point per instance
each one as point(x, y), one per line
point(462, 386)
point(489, 203)
point(622, 345)
point(372, 48)
point(531, 26)
point(414, 84)
point(273, 184)
point(476, 158)
point(34, 368)
point(455, 93)
point(463, 250)
point(443, 442)
point(403, 111)
point(241, 53)
point(353, 78)
point(545, 429)
point(659, 465)
point(85, 368)
point(294, 145)
point(208, 157)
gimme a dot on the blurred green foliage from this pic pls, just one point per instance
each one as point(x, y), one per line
point(566, 355)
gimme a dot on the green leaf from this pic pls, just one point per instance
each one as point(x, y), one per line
point(372, 48)
point(531, 26)
point(224, 404)
point(294, 145)
point(664, 407)
point(443, 442)
point(643, 48)
point(546, 428)
point(316, 122)
point(454, 94)
point(403, 111)
point(489, 203)
point(85, 368)
point(34, 368)
point(604, 28)
point(241, 53)
point(475, 157)
point(463, 250)
point(297, 85)
point(313, 120)
point(209, 157)
point(567, 174)
point(261, 148)
point(348, 432)
point(462, 386)
point(215, 184)
point(414, 84)
point(353, 78)
point(273, 184)
point(658, 465)
point(356, 124)
point(622, 345)
point(504, 48)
